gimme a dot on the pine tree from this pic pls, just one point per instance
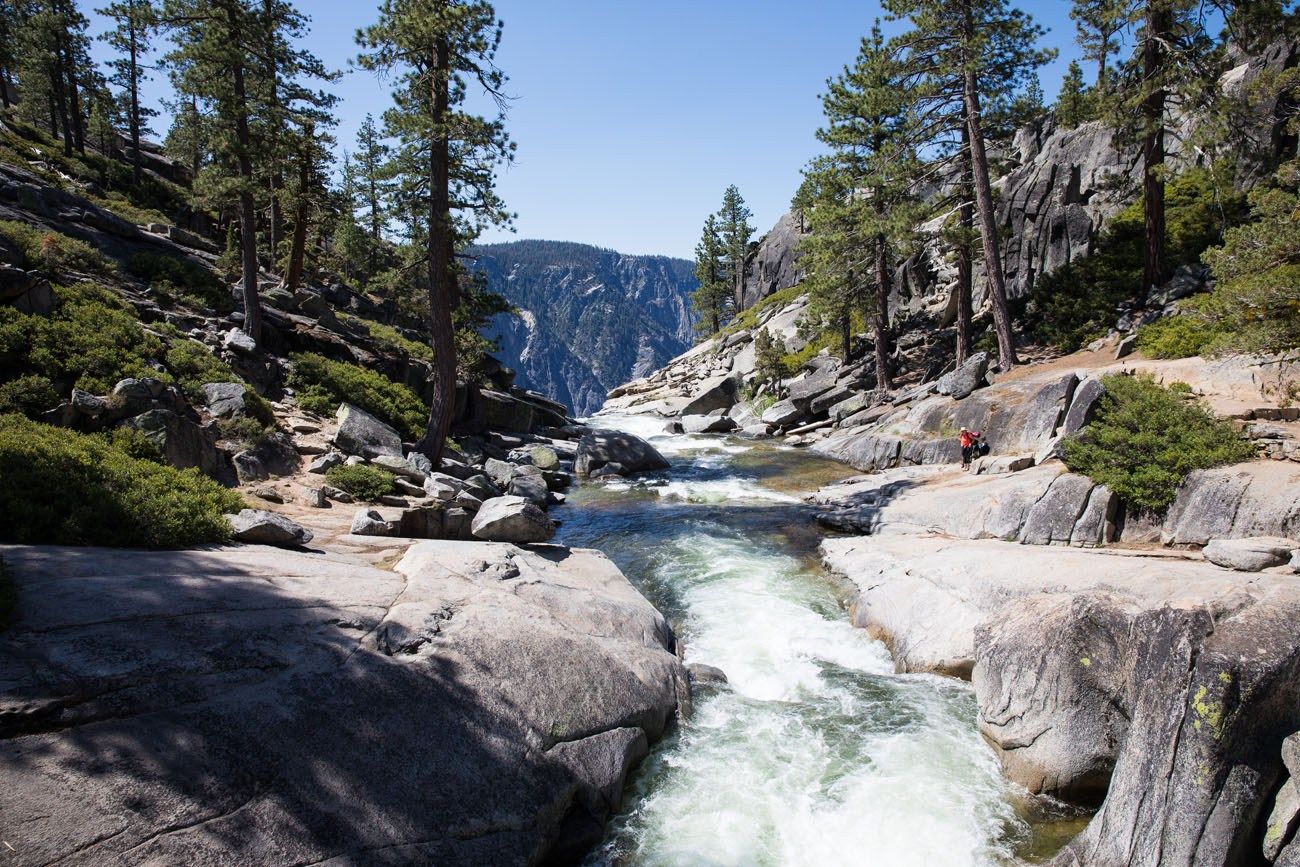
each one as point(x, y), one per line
point(1100, 25)
point(371, 168)
point(832, 254)
point(870, 130)
point(447, 157)
point(735, 231)
point(983, 50)
point(350, 248)
point(712, 299)
point(134, 25)
point(1072, 102)
point(213, 40)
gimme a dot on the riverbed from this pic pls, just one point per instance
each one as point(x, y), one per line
point(816, 752)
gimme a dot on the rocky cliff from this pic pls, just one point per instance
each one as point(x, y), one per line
point(589, 318)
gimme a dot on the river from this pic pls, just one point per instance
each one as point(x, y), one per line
point(817, 753)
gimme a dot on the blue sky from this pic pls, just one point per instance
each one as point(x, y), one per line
point(632, 118)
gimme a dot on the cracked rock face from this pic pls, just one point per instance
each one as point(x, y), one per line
point(480, 705)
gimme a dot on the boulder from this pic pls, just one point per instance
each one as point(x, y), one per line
point(531, 487)
point(401, 467)
point(544, 457)
point(1250, 554)
point(182, 442)
point(258, 527)
point(702, 675)
point(511, 519)
point(360, 433)
point(248, 467)
point(1261, 498)
point(993, 465)
point(598, 449)
point(88, 404)
point(803, 391)
point(698, 424)
point(718, 392)
point(510, 709)
point(782, 413)
point(374, 522)
point(225, 399)
point(499, 471)
point(236, 340)
point(326, 462)
point(965, 379)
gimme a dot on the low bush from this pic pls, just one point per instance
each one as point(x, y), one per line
point(194, 366)
point(323, 384)
point(1147, 438)
point(394, 341)
point(368, 483)
point(52, 252)
point(30, 395)
point(91, 340)
point(1189, 333)
point(58, 487)
point(171, 277)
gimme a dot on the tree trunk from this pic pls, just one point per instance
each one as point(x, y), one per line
point(882, 336)
point(1158, 24)
point(846, 317)
point(61, 102)
point(135, 99)
point(275, 180)
point(298, 246)
point(984, 207)
point(74, 100)
point(442, 294)
point(247, 207)
point(965, 258)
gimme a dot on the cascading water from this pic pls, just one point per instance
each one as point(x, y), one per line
point(816, 753)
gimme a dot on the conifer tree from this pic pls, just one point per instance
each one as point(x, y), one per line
point(371, 168)
point(210, 61)
point(437, 50)
point(134, 23)
point(864, 194)
point(982, 50)
point(735, 231)
point(1072, 102)
point(712, 299)
point(1100, 25)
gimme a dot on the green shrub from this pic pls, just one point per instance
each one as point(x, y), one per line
point(52, 252)
point(394, 341)
point(323, 384)
point(1147, 438)
point(30, 395)
point(91, 340)
point(171, 277)
point(1189, 333)
point(58, 487)
point(8, 595)
point(195, 366)
point(368, 483)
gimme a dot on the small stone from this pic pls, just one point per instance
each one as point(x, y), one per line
point(372, 522)
point(88, 404)
point(705, 675)
point(271, 495)
point(1250, 554)
point(315, 498)
point(399, 466)
point(338, 495)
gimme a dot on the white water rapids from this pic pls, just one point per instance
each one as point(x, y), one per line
point(817, 753)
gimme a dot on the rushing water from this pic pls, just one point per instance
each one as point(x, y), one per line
point(817, 753)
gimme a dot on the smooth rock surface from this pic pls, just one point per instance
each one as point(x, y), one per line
point(1251, 554)
point(481, 704)
point(600, 448)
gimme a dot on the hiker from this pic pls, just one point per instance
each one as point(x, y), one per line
point(971, 446)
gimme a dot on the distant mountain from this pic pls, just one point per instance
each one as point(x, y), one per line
point(590, 319)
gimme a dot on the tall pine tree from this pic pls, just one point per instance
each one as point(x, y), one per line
point(735, 230)
point(437, 50)
point(134, 22)
point(712, 298)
